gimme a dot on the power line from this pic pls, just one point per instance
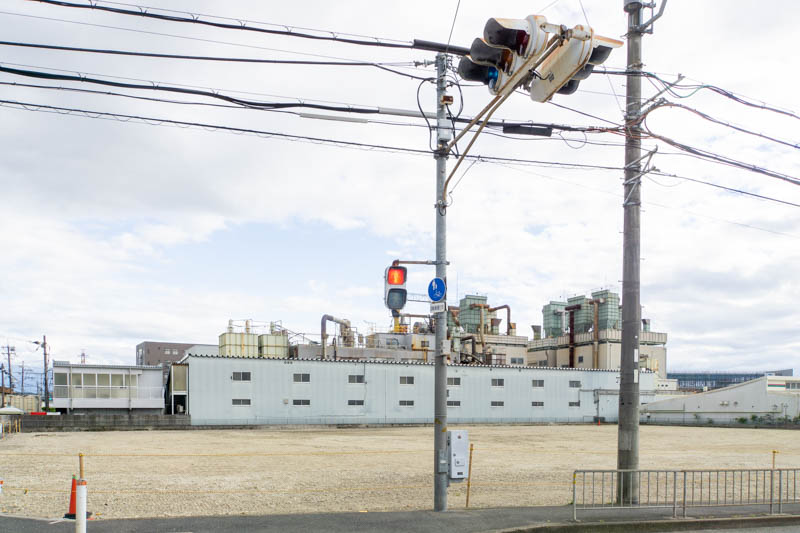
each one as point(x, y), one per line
point(240, 24)
point(208, 58)
point(723, 187)
point(271, 134)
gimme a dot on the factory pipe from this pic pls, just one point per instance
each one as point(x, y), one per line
point(483, 340)
point(508, 316)
point(571, 310)
point(324, 335)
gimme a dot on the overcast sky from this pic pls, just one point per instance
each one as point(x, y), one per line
point(114, 233)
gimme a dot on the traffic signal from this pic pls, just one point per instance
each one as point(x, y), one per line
point(394, 291)
point(506, 45)
point(563, 70)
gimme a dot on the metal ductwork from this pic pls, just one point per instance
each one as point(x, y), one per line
point(509, 324)
point(342, 322)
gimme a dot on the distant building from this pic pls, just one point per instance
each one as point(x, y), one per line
point(153, 353)
point(107, 389)
point(767, 398)
point(702, 381)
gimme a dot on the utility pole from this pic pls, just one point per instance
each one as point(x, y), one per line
point(46, 395)
point(10, 349)
point(22, 380)
point(440, 365)
point(3, 383)
point(628, 432)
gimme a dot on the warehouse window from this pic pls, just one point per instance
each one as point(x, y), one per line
point(575, 384)
point(580, 359)
point(241, 376)
point(406, 380)
point(453, 403)
point(301, 402)
point(537, 383)
point(453, 382)
point(355, 378)
point(517, 360)
point(575, 404)
point(498, 382)
point(537, 404)
point(424, 344)
point(302, 378)
point(406, 403)
point(498, 403)
point(355, 402)
point(241, 401)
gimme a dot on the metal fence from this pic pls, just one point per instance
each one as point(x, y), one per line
point(680, 490)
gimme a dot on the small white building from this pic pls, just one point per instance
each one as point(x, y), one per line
point(107, 389)
point(765, 398)
point(246, 390)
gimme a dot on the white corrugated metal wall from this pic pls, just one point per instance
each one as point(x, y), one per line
point(330, 396)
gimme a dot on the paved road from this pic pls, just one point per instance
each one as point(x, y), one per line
point(533, 519)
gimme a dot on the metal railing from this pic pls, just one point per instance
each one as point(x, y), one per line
point(680, 490)
point(107, 392)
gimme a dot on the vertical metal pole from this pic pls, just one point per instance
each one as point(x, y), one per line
point(10, 376)
point(440, 361)
point(628, 432)
point(575, 495)
point(46, 394)
point(469, 475)
point(3, 384)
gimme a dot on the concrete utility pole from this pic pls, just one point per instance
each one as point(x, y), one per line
point(46, 395)
point(3, 384)
point(628, 433)
point(443, 129)
point(22, 380)
point(10, 349)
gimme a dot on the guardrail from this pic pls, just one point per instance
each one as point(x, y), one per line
point(682, 489)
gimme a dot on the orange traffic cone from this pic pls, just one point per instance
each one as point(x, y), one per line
point(71, 512)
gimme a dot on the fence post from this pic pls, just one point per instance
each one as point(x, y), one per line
point(574, 496)
point(674, 494)
point(469, 475)
point(780, 491)
point(684, 493)
point(771, 488)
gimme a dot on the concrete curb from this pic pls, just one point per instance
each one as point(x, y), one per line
point(679, 524)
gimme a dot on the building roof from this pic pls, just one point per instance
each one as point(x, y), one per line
point(406, 363)
point(100, 365)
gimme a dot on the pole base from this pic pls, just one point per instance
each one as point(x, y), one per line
point(71, 516)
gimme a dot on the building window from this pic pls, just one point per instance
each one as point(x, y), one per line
point(517, 360)
point(241, 376)
point(792, 386)
point(498, 382)
point(241, 401)
point(302, 378)
point(537, 404)
point(355, 402)
point(355, 378)
point(406, 380)
point(453, 403)
point(537, 383)
point(575, 404)
point(424, 344)
point(580, 359)
point(498, 404)
point(59, 378)
point(453, 382)
point(406, 403)
point(301, 402)
point(575, 384)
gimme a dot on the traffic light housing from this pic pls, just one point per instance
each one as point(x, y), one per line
point(506, 45)
point(394, 292)
point(563, 70)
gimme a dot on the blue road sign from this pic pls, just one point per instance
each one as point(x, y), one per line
point(436, 290)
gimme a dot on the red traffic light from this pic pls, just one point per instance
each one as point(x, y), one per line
point(396, 275)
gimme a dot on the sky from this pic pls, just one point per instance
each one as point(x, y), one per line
point(114, 232)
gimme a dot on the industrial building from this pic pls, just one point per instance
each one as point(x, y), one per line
point(705, 381)
point(217, 390)
point(769, 398)
point(107, 389)
point(586, 333)
point(152, 353)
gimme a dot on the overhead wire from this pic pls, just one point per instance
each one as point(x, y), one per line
point(154, 121)
point(241, 24)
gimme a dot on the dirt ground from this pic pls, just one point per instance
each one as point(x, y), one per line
point(262, 471)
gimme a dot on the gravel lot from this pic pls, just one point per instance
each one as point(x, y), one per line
point(261, 471)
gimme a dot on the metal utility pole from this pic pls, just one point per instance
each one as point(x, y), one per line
point(440, 365)
point(22, 380)
point(3, 384)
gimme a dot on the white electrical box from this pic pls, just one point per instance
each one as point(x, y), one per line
point(458, 454)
